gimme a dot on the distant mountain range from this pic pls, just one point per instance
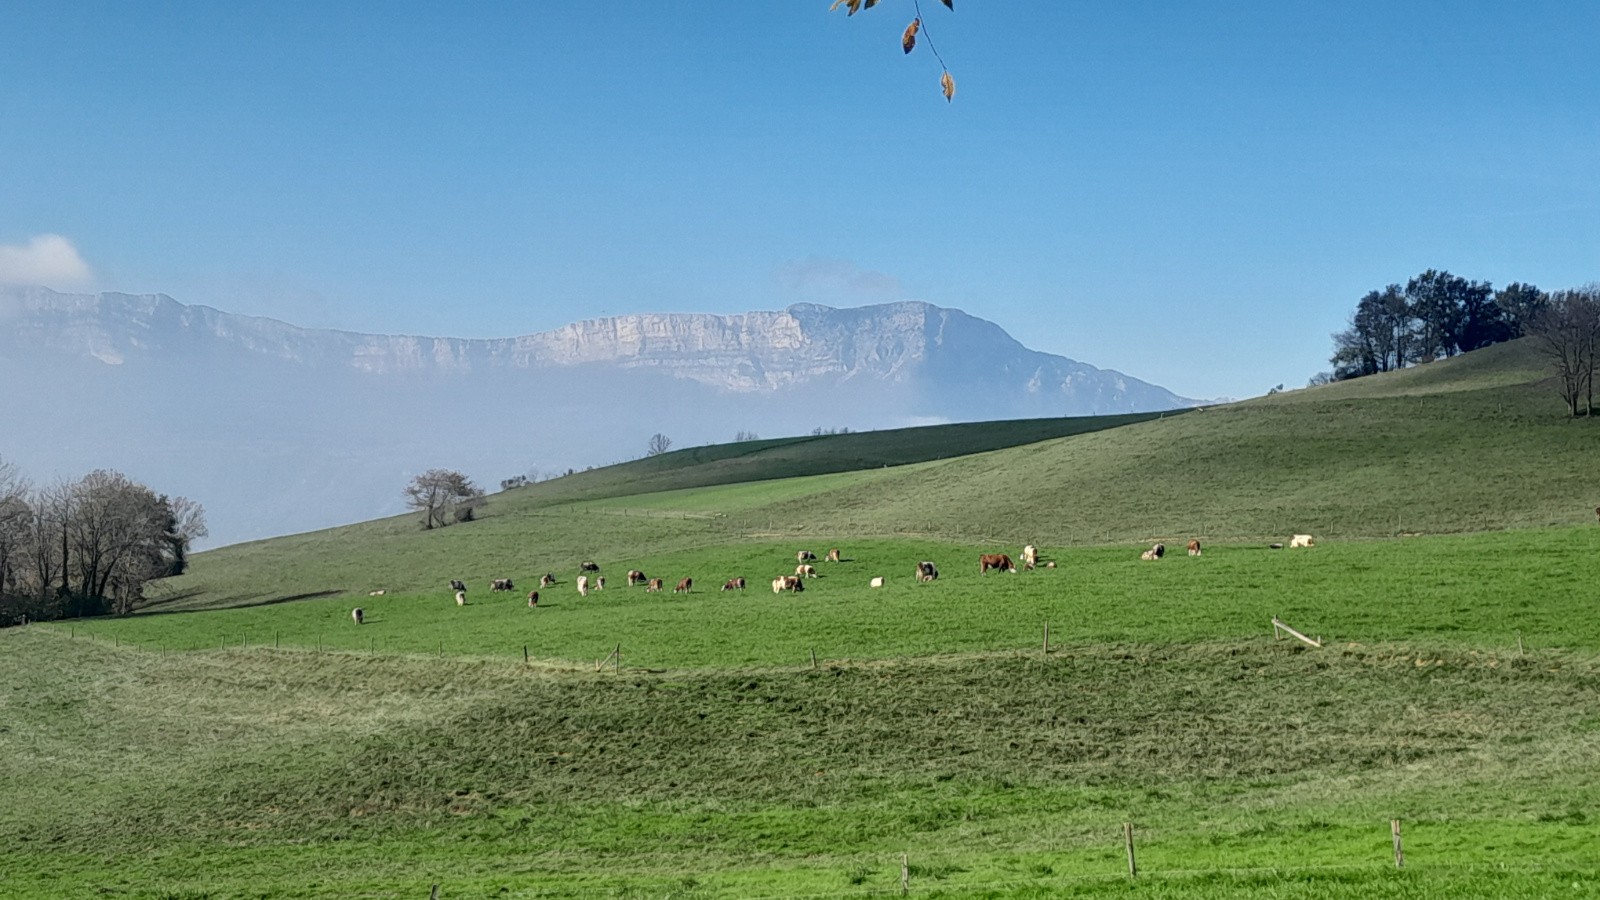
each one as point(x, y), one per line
point(276, 428)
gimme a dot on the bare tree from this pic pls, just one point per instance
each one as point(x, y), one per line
point(14, 515)
point(659, 444)
point(443, 496)
point(742, 436)
point(1568, 332)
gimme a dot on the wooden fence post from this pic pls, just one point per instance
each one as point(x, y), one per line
point(524, 654)
point(1399, 853)
point(905, 874)
point(1127, 839)
point(1047, 638)
point(813, 657)
point(434, 894)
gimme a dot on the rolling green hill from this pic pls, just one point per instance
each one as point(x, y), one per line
point(1472, 443)
point(244, 738)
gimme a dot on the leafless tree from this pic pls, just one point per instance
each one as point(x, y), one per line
point(443, 496)
point(1568, 333)
point(659, 444)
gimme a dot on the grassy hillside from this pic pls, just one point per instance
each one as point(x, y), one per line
point(1468, 444)
point(244, 738)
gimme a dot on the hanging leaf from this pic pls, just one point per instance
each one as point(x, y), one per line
point(836, 5)
point(949, 85)
point(854, 6)
point(949, 5)
point(909, 40)
point(870, 4)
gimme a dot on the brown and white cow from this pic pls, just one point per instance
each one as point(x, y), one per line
point(653, 586)
point(684, 586)
point(805, 556)
point(833, 555)
point(635, 577)
point(546, 580)
point(583, 585)
point(927, 571)
point(805, 571)
point(1301, 540)
point(533, 599)
point(1030, 557)
point(1000, 561)
point(599, 582)
point(733, 584)
point(792, 583)
point(1194, 548)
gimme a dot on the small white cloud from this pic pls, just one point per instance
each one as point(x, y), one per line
point(839, 276)
point(48, 259)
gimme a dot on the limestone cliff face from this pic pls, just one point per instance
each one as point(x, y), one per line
point(920, 347)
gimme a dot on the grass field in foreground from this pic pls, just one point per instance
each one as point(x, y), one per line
point(257, 773)
point(1476, 591)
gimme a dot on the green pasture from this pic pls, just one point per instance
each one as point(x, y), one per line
point(242, 737)
point(1479, 591)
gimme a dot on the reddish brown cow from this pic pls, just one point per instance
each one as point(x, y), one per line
point(833, 555)
point(1194, 548)
point(653, 585)
point(998, 561)
point(684, 586)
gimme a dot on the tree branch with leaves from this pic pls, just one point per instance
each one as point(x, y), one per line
point(908, 38)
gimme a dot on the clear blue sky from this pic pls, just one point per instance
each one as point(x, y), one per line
point(1193, 193)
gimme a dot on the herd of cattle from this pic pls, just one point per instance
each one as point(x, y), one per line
point(925, 571)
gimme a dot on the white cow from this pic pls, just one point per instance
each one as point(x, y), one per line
point(358, 614)
point(877, 582)
point(583, 585)
point(1302, 540)
point(461, 598)
point(1030, 557)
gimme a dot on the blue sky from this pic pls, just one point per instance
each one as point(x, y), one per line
point(1194, 194)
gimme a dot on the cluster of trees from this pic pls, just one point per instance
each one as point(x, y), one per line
point(1434, 315)
point(1437, 314)
point(87, 547)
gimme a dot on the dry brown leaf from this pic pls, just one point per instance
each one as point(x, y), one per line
point(909, 40)
point(852, 7)
point(836, 5)
point(949, 85)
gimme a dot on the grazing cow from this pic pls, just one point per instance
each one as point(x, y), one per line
point(1030, 557)
point(1050, 565)
point(546, 580)
point(833, 555)
point(878, 581)
point(999, 561)
point(1301, 540)
point(805, 556)
point(359, 615)
point(684, 586)
point(461, 598)
point(588, 567)
point(599, 582)
point(653, 586)
point(806, 571)
point(583, 585)
point(635, 577)
point(792, 583)
point(927, 571)
point(1194, 548)
point(733, 584)
point(533, 599)
point(502, 584)
point(457, 584)
point(374, 593)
